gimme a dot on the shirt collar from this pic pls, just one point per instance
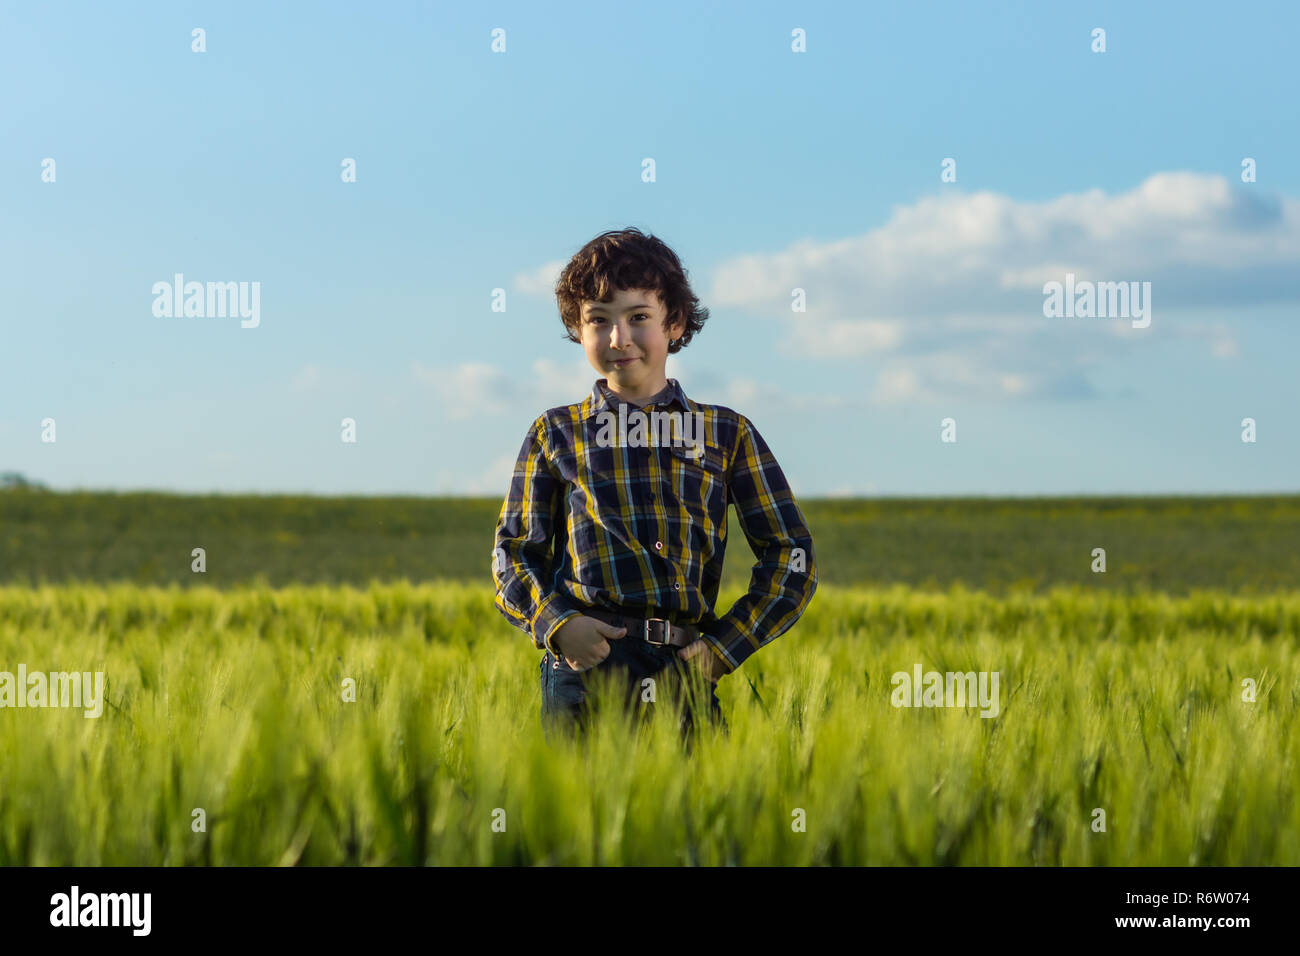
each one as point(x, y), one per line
point(602, 400)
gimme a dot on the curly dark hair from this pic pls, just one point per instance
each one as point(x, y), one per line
point(628, 259)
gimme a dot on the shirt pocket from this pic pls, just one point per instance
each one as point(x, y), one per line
point(702, 480)
point(709, 458)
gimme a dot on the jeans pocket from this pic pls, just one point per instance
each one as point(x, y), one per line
point(562, 686)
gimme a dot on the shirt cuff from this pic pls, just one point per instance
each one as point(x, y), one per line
point(729, 643)
point(554, 610)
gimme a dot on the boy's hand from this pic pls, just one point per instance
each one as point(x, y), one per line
point(585, 641)
point(706, 662)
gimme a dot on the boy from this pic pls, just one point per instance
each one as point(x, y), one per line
point(610, 542)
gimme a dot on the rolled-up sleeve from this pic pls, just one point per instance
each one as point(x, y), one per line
point(783, 580)
point(522, 550)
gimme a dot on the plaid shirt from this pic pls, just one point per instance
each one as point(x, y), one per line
point(642, 530)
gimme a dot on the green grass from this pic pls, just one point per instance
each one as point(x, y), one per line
point(230, 701)
point(1242, 544)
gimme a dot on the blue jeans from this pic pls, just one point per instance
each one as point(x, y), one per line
point(565, 703)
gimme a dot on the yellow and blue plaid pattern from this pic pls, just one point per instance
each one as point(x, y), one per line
point(642, 530)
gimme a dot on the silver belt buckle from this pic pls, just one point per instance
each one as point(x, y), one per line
point(667, 630)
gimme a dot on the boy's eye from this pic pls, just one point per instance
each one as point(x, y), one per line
point(601, 318)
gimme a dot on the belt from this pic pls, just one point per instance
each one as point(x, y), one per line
point(654, 630)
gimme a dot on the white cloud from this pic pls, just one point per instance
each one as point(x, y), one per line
point(473, 389)
point(306, 378)
point(897, 385)
point(561, 383)
point(1014, 384)
point(492, 481)
point(467, 389)
point(741, 392)
point(1224, 348)
point(540, 281)
point(847, 339)
point(759, 398)
point(947, 295)
point(1223, 343)
point(316, 378)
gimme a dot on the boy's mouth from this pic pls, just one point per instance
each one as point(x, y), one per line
point(620, 363)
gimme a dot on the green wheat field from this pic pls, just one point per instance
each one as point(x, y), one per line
point(1123, 692)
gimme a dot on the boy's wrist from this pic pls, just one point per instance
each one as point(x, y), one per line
point(553, 611)
point(719, 639)
point(551, 642)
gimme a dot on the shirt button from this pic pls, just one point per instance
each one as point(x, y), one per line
point(659, 545)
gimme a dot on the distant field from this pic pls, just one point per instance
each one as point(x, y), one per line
point(230, 702)
point(1244, 545)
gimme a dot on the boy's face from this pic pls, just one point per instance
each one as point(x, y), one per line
point(630, 328)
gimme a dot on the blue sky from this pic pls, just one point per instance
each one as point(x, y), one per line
point(774, 170)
